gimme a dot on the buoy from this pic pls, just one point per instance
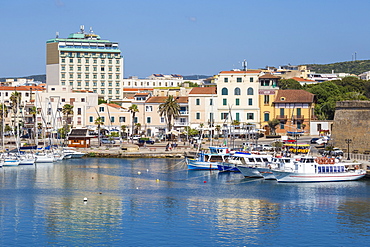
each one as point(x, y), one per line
point(147, 170)
point(100, 193)
point(157, 180)
point(85, 199)
point(137, 188)
point(139, 173)
point(204, 181)
point(92, 178)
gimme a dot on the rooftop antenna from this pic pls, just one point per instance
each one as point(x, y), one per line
point(57, 35)
point(244, 65)
point(82, 28)
point(91, 30)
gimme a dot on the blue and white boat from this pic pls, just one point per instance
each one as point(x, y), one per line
point(232, 162)
point(210, 160)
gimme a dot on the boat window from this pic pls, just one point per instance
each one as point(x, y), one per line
point(330, 168)
point(319, 169)
point(265, 159)
point(335, 169)
point(327, 169)
point(251, 159)
point(258, 160)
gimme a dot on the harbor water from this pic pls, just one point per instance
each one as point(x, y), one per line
point(158, 202)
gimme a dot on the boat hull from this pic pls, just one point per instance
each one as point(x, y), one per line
point(225, 167)
point(249, 172)
point(201, 165)
point(291, 177)
point(266, 173)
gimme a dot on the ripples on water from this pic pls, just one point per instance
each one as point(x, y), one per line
point(157, 202)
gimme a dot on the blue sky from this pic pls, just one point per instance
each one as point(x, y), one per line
point(192, 36)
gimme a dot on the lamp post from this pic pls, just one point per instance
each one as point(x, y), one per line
point(348, 141)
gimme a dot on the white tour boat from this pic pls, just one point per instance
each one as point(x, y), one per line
point(309, 169)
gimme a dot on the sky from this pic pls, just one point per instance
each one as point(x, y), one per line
point(189, 37)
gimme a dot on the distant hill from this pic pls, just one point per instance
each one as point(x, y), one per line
point(351, 67)
point(41, 78)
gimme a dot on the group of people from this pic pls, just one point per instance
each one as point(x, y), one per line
point(171, 146)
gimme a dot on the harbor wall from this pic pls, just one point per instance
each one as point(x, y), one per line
point(352, 121)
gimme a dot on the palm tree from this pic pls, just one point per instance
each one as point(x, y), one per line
point(33, 111)
point(15, 98)
point(170, 109)
point(99, 121)
point(3, 115)
point(137, 127)
point(272, 124)
point(67, 110)
point(133, 109)
point(123, 128)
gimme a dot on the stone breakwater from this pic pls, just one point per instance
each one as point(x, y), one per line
point(118, 154)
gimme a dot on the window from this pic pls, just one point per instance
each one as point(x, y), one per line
point(250, 101)
point(266, 99)
point(82, 99)
point(91, 119)
point(299, 111)
point(210, 101)
point(197, 115)
point(136, 120)
point(112, 119)
point(250, 116)
point(224, 115)
point(238, 79)
point(224, 91)
point(101, 109)
point(148, 108)
point(103, 119)
point(299, 125)
point(237, 101)
point(237, 116)
point(318, 127)
point(266, 117)
point(251, 79)
point(79, 111)
point(63, 100)
point(250, 91)
point(281, 111)
point(197, 101)
point(224, 101)
point(122, 119)
point(162, 120)
point(237, 91)
point(282, 126)
point(226, 79)
point(148, 120)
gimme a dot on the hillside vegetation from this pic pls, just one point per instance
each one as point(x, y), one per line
point(351, 67)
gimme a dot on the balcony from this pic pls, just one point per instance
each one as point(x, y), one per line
point(181, 124)
point(282, 117)
point(298, 117)
point(184, 113)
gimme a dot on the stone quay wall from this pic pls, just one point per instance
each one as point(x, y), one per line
point(352, 121)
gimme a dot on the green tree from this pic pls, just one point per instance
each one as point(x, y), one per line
point(33, 111)
point(170, 109)
point(133, 109)
point(67, 110)
point(272, 125)
point(15, 98)
point(3, 115)
point(123, 128)
point(289, 84)
point(99, 122)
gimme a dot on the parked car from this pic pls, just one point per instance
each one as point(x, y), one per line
point(314, 140)
point(136, 137)
point(146, 140)
point(107, 141)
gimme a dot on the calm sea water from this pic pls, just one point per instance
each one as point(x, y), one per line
point(157, 202)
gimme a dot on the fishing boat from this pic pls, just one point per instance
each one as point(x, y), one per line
point(310, 169)
point(250, 163)
point(210, 160)
point(72, 153)
point(8, 159)
point(266, 169)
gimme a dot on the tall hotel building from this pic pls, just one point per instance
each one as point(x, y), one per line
point(85, 62)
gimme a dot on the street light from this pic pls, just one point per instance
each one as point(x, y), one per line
point(348, 141)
